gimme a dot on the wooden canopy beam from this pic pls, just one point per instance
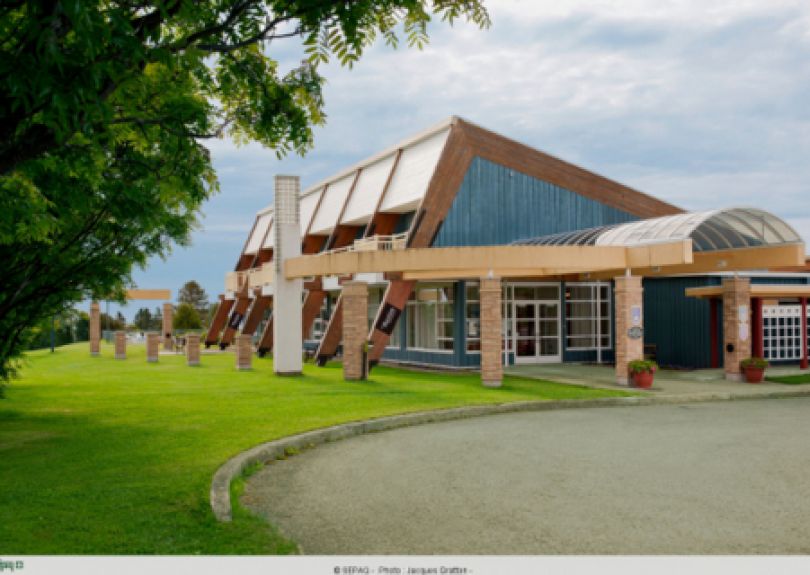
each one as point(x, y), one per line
point(158, 294)
point(530, 261)
point(765, 291)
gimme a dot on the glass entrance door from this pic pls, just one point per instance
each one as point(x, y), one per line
point(537, 331)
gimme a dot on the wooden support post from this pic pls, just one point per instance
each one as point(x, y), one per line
point(714, 331)
point(254, 317)
point(218, 321)
point(266, 341)
point(332, 335)
point(235, 320)
point(395, 300)
point(312, 307)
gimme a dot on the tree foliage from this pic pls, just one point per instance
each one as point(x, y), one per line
point(193, 294)
point(105, 109)
point(186, 317)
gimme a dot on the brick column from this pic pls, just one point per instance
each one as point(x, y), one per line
point(120, 345)
point(355, 329)
point(736, 325)
point(244, 352)
point(95, 328)
point(629, 316)
point(152, 346)
point(193, 349)
point(491, 336)
point(168, 328)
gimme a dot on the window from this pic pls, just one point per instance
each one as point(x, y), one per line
point(430, 318)
point(472, 318)
point(322, 320)
point(587, 306)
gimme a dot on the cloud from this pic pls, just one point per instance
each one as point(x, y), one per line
point(703, 104)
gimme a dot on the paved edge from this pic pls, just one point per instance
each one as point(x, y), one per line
point(233, 468)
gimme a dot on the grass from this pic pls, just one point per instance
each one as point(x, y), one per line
point(790, 379)
point(99, 456)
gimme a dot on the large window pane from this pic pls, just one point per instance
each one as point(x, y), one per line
point(430, 318)
point(587, 307)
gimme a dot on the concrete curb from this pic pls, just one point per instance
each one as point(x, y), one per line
point(221, 483)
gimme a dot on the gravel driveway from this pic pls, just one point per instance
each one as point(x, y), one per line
point(713, 478)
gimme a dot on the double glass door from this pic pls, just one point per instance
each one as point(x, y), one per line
point(537, 331)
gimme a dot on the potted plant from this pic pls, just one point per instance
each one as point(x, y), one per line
point(642, 371)
point(754, 369)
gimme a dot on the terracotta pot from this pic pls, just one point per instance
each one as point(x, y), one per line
point(643, 379)
point(754, 374)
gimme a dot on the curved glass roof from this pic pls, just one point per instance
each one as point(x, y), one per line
point(709, 231)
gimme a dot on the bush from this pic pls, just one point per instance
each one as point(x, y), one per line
point(642, 365)
point(756, 362)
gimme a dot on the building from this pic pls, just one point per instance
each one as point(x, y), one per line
point(429, 221)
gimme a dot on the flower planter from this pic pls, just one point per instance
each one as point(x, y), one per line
point(754, 374)
point(643, 379)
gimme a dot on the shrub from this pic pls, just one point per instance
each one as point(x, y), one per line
point(756, 362)
point(642, 365)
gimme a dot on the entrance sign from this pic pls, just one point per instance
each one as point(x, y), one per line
point(635, 315)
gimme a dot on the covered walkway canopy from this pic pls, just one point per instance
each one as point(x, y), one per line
point(717, 240)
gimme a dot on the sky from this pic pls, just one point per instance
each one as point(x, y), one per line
point(701, 103)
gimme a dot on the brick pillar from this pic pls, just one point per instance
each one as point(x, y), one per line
point(629, 316)
point(736, 325)
point(152, 346)
point(95, 328)
point(355, 329)
point(244, 352)
point(193, 349)
point(491, 336)
point(120, 345)
point(168, 318)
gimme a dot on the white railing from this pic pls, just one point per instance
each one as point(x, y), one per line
point(380, 243)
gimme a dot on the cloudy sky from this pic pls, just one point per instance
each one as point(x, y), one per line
point(703, 103)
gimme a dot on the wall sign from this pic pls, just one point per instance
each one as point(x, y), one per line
point(635, 332)
point(635, 315)
point(388, 319)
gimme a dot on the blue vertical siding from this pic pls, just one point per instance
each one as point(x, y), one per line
point(678, 325)
point(496, 205)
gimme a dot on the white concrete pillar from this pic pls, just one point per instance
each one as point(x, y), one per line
point(288, 334)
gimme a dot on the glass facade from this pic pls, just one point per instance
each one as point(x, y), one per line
point(430, 318)
point(588, 316)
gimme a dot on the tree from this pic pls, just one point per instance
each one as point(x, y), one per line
point(193, 294)
point(105, 109)
point(186, 317)
point(143, 319)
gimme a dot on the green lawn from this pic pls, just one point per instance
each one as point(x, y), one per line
point(790, 379)
point(99, 456)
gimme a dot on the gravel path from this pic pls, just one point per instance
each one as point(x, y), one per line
point(714, 478)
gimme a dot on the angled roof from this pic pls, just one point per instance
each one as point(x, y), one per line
point(425, 171)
